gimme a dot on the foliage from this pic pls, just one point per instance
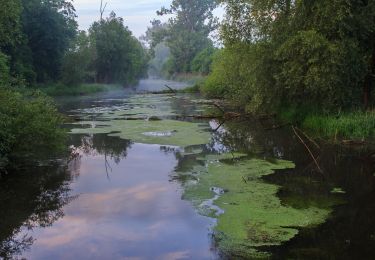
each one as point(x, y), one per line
point(186, 33)
point(77, 62)
point(296, 52)
point(49, 26)
point(107, 54)
point(353, 125)
point(203, 60)
point(119, 57)
point(27, 125)
point(4, 69)
point(10, 24)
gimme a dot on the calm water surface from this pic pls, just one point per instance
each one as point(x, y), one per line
point(116, 199)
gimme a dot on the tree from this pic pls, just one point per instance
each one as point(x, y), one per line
point(312, 52)
point(77, 66)
point(187, 33)
point(49, 27)
point(119, 56)
point(10, 24)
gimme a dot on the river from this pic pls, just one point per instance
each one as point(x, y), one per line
point(149, 177)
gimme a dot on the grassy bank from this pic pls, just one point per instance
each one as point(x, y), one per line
point(353, 125)
point(82, 89)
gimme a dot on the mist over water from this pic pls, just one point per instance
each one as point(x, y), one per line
point(150, 85)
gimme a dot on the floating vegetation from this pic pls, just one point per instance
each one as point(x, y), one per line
point(151, 132)
point(249, 213)
point(143, 119)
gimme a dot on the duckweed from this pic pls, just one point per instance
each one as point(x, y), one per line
point(253, 214)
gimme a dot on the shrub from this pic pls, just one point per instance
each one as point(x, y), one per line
point(28, 125)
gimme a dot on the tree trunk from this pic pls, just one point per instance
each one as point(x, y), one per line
point(367, 87)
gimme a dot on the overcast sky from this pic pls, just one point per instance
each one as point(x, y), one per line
point(137, 13)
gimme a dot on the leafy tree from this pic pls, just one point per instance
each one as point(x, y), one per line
point(49, 27)
point(203, 60)
point(299, 52)
point(10, 23)
point(77, 63)
point(4, 70)
point(187, 33)
point(119, 56)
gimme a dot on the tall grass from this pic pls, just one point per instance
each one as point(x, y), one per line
point(351, 125)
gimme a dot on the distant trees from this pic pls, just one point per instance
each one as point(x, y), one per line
point(107, 53)
point(119, 56)
point(296, 52)
point(39, 44)
point(34, 35)
point(186, 34)
point(49, 27)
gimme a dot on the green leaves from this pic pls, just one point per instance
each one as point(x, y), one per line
point(186, 33)
point(317, 53)
point(28, 125)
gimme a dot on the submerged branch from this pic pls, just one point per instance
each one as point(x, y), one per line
point(308, 149)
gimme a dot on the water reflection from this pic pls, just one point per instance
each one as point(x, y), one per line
point(137, 213)
point(119, 199)
point(30, 200)
point(350, 231)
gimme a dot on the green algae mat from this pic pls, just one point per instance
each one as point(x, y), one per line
point(143, 119)
point(249, 213)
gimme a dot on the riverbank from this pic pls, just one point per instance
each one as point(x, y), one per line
point(355, 125)
point(79, 90)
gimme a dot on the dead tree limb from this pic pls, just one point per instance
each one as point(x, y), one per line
point(309, 138)
point(102, 9)
point(308, 149)
point(171, 89)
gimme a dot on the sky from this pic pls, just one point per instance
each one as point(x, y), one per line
point(136, 13)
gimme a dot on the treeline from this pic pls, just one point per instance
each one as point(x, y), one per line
point(183, 44)
point(40, 45)
point(107, 53)
point(318, 54)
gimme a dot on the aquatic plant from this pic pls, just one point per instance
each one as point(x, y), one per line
point(251, 215)
point(143, 119)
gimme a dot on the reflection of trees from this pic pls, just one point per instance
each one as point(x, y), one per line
point(30, 199)
point(350, 231)
point(102, 144)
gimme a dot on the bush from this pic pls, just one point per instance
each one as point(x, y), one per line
point(28, 125)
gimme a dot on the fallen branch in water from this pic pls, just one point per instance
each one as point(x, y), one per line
point(171, 89)
point(220, 125)
point(308, 149)
point(309, 138)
